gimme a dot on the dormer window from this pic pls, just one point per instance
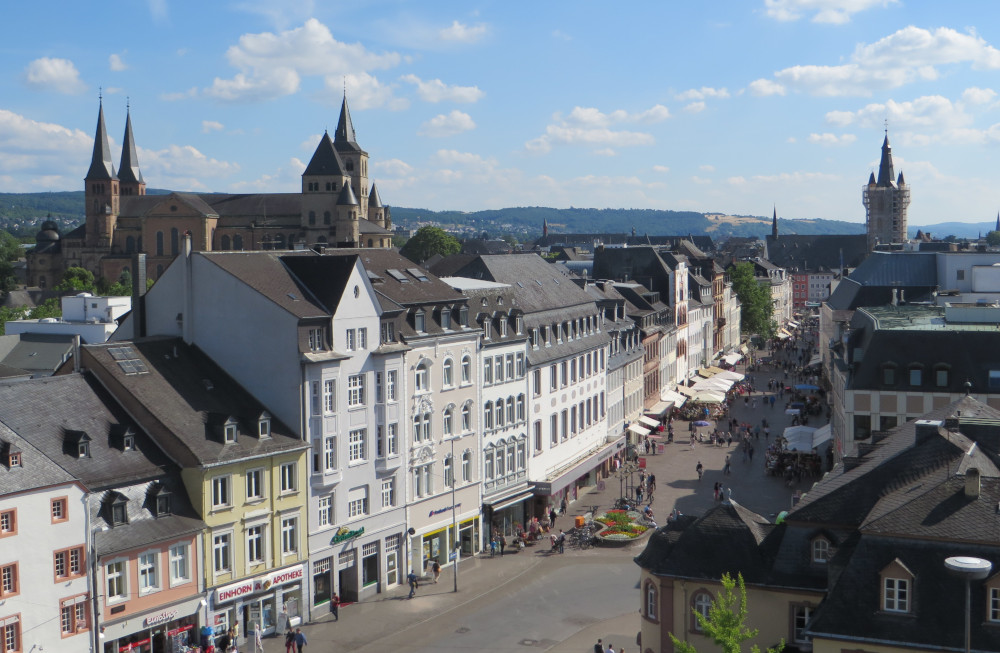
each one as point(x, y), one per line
point(889, 374)
point(128, 442)
point(503, 326)
point(118, 509)
point(916, 375)
point(83, 449)
point(230, 431)
point(446, 317)
point(820, 550)
point(14, 459)
point(264, 425)
point(163, 504)
point(897, 587)
point(463, 316)
point(418, 321)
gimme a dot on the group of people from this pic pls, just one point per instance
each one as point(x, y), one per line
point(227, 641)
point(599, 648)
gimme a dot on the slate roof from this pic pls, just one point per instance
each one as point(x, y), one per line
point(182, 399)
point(266, 273)
point(872, 283)
point(817, 253)
point(325, 160)
point(129, 171)
point(642, 264)
point(325, 277)
point(536, 284)
point(45, 411)
point(345, 138)
point(101, 166)
point(39, 353)
point(36, 470)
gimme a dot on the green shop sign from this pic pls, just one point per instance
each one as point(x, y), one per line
point(343, 534)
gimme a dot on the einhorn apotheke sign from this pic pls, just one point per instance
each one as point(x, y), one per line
point(259, 584)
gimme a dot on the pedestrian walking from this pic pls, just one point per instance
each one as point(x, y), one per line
point(651, 483)
point(552, 517)
point(563, 506)
point(638, 494)
point(289, 641)
point(493, 546)
point(300, 639)
point(700, 469)
point(258, 638)
point(750, 454)
point(411, 578)
point(503, 545)
point(436, 568)
point(727, 470)
point(599, 646)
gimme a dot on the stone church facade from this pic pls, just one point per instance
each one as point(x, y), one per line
point(336, 207)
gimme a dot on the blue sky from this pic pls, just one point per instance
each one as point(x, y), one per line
point(728, 106)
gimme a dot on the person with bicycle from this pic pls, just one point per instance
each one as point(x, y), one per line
point(700, 469)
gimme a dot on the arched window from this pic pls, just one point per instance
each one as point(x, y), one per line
point(175, 240)
point(466, 369)
point(466, 418)
point(498, 413)
point(820, 550)
point(521, 408)
point(238, 243)
point(448, 373)
point(422, 377)
point(449, 471)
point(510, 410)
point(488, 415)
point(701, 603)
point(652, 609)
point(449, 421)
point(159, 243)
point(225, 243)
point(467, 467)
point(129, 245)
point(326, 216)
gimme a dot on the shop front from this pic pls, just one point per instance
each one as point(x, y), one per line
point(433, 531)
point(566, 486)
point(172, 629)
point(273, 600)
point(506, 513)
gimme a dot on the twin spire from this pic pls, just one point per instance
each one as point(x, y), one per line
point(101, 165)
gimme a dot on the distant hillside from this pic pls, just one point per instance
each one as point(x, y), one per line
point(23, 213)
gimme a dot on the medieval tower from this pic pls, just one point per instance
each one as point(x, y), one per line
point(886, 200)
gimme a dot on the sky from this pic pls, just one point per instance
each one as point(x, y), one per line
point(731, 106)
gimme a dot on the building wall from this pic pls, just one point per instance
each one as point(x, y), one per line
point(32, 549)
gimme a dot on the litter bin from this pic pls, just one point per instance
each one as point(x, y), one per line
point(660, 448)
point(579, 521)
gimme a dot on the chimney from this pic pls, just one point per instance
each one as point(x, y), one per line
point(972, 483)
point(138, 295)
point(187, 244)
point(76, 354)
point(927, 428)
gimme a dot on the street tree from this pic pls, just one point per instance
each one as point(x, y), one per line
point(993, 238)
point(76, 280)
point(756, 310)
point(726, 621)
point(429, 241)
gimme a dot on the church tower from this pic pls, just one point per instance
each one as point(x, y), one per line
point(322, 183)
point(886, 200)
point(355, 159)
point(129, 174)
point(101, 189)
point(774, 224)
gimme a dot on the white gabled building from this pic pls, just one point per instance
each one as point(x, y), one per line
point(567, 364)
point(503, 397)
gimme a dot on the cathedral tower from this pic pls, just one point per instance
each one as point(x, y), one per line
point(774, 223)
point(355, 159)
point(101, 189)
point(886, 200)
point(322, 182)
point(129, 174)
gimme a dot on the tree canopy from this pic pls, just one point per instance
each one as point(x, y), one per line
point(726, 621)
point(76, 280)
point(993, 238)
point(756, 310)
point(429, 241)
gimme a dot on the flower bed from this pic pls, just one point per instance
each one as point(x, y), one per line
point(620, 526)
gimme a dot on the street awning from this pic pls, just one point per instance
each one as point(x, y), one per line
point(744, 349)
point(518, 498)
point(715, 370)
point(649, 421)
point(799, 438)
point(684, 390)
point(709, 397)
point(793, 324)
point(782, 335)
point(705, 373)
point(676, 398)
point(658, 408)
point(730, 375)
point(573, 471)
point(815, 360)
point(732, 359)
point(638, 429)
point(822, 434)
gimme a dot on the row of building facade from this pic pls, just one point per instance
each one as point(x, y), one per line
point(268, 427)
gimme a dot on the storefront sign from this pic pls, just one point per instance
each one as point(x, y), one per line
point(133, 646)
point(160, 617)
point(445, 509)
point(259, 584)
point(177, 631)
point(344, 534)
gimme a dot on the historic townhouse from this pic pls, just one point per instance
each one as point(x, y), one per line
point(133, 533)
point(567, 363)
point(245, 473)
point(43, 518)
point(333, 367)
point(503, 397)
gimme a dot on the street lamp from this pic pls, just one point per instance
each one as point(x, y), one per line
point(970, 569)
point(454, 517)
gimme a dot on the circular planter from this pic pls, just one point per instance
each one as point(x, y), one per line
point(621, 528)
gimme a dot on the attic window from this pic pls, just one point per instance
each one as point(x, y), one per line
point(264, 425)
point(117, 506)
point(14, 459)
point(128, 442)
point(230, 432)
point(419, 274)
point(820, 550)
point(418, 321)
point(163, 504)
point(127, 360)
point(463, 316)
point(397, 275)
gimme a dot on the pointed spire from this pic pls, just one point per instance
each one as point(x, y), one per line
point(347, 197)
point(899, 180)
point(374, 201)
point(545, 226)
point(774, 223)
point(885, 172)
point(871, 179)
point(101, 166)
point(325, 160)
point(344, 137)
point(998, 220)
point(128, 171)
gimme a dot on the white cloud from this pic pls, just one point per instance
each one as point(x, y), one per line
point(462, 33)
point(661, 169)
point(364, 92)
point(840, 118)
point(393, 168)
point(823, 11)
point(287, 178)
point(703, 93)
point(116, 63)
point(607, 151)
point(271, 64)
point(183, 167)
point(590, 126)
point(435, 90)
point(736, 181)
point(907, 55)
point(180, 95)
point(700, 180)
point(934, 115)
point(765, 87)
point(210, 126)
point(158, 9)
point(707, 168)
point(450, 124)
point(695, 107)
point(827, 138)
point(29, 145)
point(279, 14)
point(975, 95)
point(59, 75)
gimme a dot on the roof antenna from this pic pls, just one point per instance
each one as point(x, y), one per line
point(128, 103)
point(345, 86)
point(100, 93)
point(886, 123)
